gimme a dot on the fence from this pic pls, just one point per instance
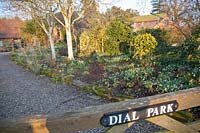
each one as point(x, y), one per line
point(119, 116)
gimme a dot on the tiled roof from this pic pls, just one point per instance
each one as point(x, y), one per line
point(10, 28)
point(146, 22)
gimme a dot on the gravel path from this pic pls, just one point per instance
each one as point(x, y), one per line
point(22, 94)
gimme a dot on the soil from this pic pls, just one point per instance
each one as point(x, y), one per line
point(137, 90)
point(96, 71)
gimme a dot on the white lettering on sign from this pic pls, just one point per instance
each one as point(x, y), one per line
point(159, 110)
point(155, 112)
point(149, 111)
point(169, 108)
point(138, 113)
point(127, 118)
point(134, 116)
point(113, 120)
point(163, 109)
point(118, 119)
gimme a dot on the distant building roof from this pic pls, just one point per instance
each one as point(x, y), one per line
point(146, 22)
point(147, 18)
point(10, 28)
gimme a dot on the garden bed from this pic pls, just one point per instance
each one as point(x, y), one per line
point(117, 78)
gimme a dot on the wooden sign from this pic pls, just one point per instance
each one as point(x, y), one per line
point(129, 115)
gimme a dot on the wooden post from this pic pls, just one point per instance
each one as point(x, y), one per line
point(39, 126)
point(171, 124)
point(120, 128)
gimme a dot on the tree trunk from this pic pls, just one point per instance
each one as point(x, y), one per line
point(102, 45)
point(69, 41)
point(53, 53)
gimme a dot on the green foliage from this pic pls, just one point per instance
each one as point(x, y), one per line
point(112, 35)
point(112, 40)
point(18, 58)
point(104, 92)
point(31, 31)
point(118, 35)
point(93, 40)
point(98, 90)
point(38, 61)
point(144, 44)
point(29, 27)
point(159, 34)
point(196, 33)
point(190, 45)
point(170, 78)
point(161, 37)
point(129, 76)
point(91, 14)
point(46, 70)
point(175, 77)
point(29, 59)
point(76, 66)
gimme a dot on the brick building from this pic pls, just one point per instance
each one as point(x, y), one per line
point(151, 22)
point(10, 30)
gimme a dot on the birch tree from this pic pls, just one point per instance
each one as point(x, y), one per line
point(67, 8)
point(40, 11)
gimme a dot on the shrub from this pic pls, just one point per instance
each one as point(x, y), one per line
point(119, 35)
point(92, 40)
point(161, 36)
point(191, 44)
point(196, 33)
point(32, 58)
point(32, 32)
point(144, 44)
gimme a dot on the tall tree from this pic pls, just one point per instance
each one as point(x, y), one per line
point(67, 8)
point(185, 14)
point(156, 4)
point(33, 32)
point(40, 12)
point(117, 12)
point(92, 15)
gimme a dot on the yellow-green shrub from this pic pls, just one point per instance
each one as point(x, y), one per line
point(144, 44)
point(92, 40)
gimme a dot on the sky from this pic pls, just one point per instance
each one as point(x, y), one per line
point(3, 11)
point(142, 6)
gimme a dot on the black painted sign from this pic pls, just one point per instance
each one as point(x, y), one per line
point(129, 115)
